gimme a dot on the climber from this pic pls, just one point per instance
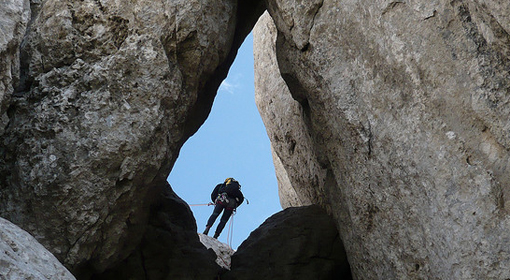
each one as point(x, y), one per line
point(227, 196)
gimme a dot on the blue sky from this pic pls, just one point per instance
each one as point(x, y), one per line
point(231, 143)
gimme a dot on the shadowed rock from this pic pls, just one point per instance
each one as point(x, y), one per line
point(170, 247)
point(296, 243)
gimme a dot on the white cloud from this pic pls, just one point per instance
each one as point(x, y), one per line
point(231, 86)
point(226, 86)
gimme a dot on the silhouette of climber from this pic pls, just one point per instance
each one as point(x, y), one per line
point(227, 196)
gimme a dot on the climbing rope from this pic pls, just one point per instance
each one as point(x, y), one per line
point(230, 232)
point(203, 204)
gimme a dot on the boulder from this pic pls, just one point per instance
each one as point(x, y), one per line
point(296, 243)
point(22, 257)
point(405, 104)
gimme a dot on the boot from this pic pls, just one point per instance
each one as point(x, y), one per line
point(206, 231)
point(216, 235)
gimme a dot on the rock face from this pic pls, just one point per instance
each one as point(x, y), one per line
point(297, 243)
point(405, 105)
point(106, 94)
point(14, 16)
point(22, 257)
point(301, 178)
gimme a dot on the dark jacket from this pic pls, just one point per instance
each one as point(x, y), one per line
point(232, 190)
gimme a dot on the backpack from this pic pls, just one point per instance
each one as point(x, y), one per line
point(231, 188)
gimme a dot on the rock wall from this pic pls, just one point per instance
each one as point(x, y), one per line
point(169, 248)
point(98, 102)
point(301, 178)
point(403, 107)
point(108, 91)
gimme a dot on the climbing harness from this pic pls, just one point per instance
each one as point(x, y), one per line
point(223, 199)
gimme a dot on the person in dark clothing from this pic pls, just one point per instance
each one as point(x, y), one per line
point(227, 196)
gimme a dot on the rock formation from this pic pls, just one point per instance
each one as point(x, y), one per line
point(22, 257)
point(104, 94)
point(403, 107)
point(300, 178)
point(297, 243)
point(391, 115)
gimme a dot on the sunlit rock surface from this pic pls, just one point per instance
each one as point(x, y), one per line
point(22, 257)
point(298, 172)
point(223, 251)
point(405, 105)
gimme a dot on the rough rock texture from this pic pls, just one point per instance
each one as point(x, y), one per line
point(301, 178)
point(296, 243)
point(14, 16)
point(108, 92)
point(406, 104)
point(22, 257)
point(223, 251)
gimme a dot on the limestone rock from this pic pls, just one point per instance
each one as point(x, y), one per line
point(406, 106)
point(108, 94)
point(22, 257)
point(299, 179)
point(14, 16)
point(110, 91)
point(296, 243)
